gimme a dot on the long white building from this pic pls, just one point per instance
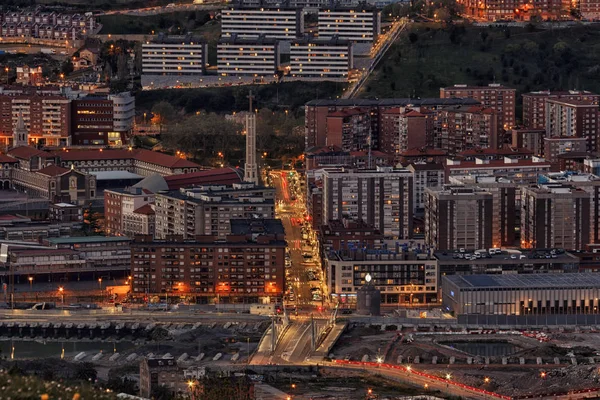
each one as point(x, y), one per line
point(321, 58)
point(247, 56)
point(274, 23)
point(355, 24)
point(175, 55)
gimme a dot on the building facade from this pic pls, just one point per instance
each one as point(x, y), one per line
point(380, 197)
point(495, 96)
point(466, 127)
point(271, 21)
point(253, 56)
point(174, 55)
point(403, 277)
point(458, 217)
point(534, 105)
point(354, 24)
point(573, 119)
point(248, 264)
point(555, 216)
point(331, 58)
point(119, 205)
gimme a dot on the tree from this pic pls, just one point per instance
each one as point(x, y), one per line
point(163, 113)
point(412, 37)
point(204, 136)
point(67, 67)
point(86, 372)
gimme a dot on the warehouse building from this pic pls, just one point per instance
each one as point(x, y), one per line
point(534, 294)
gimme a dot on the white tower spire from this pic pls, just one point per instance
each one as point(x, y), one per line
point(251, 168)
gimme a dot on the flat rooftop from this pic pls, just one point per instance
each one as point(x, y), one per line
point(537, 256)
point(525, 281)
point(390, 102)
point(89, 239)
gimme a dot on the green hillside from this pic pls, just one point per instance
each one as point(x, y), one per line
point(429, 56)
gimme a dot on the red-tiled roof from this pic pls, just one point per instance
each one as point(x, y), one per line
point(165, 160)
point(502, 151)
point(53, 170)
point(216, 176)
point(423, 152)
point(146, 209)
point(7, 159)
point(153, 157)
point(26, 152)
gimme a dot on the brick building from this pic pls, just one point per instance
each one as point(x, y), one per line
point(402, 129)
point(246, 265)
point(573, 119)
point(466, 127)
point(495, 96)
point(534, 104)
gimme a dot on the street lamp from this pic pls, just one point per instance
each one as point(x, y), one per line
point(100, 283)
point(30, 283)
point(486, 379)
point(61, 290)
point(448, 376)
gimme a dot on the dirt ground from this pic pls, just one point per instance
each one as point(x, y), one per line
point(577, 353)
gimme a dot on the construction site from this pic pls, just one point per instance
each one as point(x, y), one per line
point(516, 364)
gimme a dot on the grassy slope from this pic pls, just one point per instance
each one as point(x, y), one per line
point(524, 59)
point(133, 24)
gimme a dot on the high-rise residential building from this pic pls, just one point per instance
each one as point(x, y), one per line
point(466, 127)
point(274, 22)
point(350, 130)
point(495, 96)
point(534, 104)
point(174, 55)
point(254, 56)
point(573, 119)
point(402, 129)
point(426, 175)
point(119, 205)
point(317, 111)
point(246, 265)
point(458, 217)
point(208, 210)
point(555, 216)
point(506, 206)
point(360, 24)
point(532, 139)
point(380, 197)
point(329, 58)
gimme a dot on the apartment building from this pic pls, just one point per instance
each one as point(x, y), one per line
point(349, 130)
point(589, 9)
point(316, 112)
point(119, 204)
point(208, 210)
point(495, 96)
point(338, 235)
point(27, 75)
point(506, 205)
point(534, 104)
point(518, 10)
point(254, 56)
point(555, 216)
point(402, 129)
point(573, 119)
point(380, 197)
point(466, 127)
point(426, 175)
point(47, 118)
point(247, 265)
point(273, 22)
point(361, 24)
point(403, 277)
point(554, 147)
point(458, 217)
point(174, 55)
point(532, 139)
point(328, 58)
point(46, 25)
